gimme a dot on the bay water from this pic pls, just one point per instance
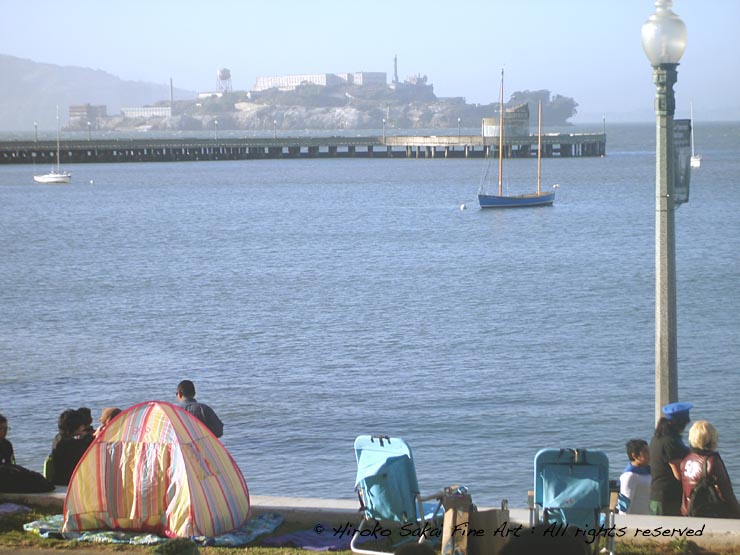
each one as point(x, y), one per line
point(312, 301)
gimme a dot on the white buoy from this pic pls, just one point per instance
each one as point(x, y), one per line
point(91, 182)
point(462, 206)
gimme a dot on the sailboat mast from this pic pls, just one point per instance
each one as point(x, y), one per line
point(57, 138)
point(539, 144)
point(501, 137)
point(692, 128)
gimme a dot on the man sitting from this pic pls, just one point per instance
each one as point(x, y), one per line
point(204, 413)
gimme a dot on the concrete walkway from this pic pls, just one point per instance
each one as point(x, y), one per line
point(311, 511)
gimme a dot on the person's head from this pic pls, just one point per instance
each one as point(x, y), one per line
point(185, 390)
point(703, 436)
point(3, 427)
point(70, 422)
point(638, 452)
point(666, 427)
point(108, 414)
point(674, 420)
point(85, 415)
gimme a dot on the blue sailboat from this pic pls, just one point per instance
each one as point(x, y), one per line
point(500, 200)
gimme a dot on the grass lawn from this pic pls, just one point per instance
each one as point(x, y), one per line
point(13, 539)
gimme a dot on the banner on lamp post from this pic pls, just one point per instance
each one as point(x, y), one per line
point(681, 160)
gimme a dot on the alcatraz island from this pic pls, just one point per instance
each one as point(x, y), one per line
point(323, 101)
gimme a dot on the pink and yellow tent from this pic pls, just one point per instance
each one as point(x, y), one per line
point(157, 469)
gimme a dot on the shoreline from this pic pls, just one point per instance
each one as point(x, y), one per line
point(707, 533)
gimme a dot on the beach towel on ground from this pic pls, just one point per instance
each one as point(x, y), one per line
point(319, 538)
point(10, 508)
point(51, 527)
point(254, 527)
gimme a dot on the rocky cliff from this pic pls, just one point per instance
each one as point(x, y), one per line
point(322, 108)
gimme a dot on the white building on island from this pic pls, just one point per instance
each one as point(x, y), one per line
point(290, 82)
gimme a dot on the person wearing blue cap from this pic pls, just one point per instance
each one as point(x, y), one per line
point(667, 450)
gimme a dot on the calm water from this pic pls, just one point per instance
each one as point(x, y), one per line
point(315, 300)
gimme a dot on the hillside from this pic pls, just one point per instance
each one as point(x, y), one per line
point(31, 91)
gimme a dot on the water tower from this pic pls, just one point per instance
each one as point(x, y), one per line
point(223, 80)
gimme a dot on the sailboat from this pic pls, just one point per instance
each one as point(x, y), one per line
point(539, 198)
point(695, 158)
point(56, 175)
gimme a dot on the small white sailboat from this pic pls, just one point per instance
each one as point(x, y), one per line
point(56, 175)
point(695, 158)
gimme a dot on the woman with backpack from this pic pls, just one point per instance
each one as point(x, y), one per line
point(707, 490)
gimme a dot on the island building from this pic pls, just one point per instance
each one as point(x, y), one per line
point(147, 112)
point(291, 82)
point(516, 122)
point(81, 115)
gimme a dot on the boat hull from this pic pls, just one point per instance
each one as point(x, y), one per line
point(519, 201)
point(53, 177)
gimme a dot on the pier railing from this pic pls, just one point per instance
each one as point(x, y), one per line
point(192, 149)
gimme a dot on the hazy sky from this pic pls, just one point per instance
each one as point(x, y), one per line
point(588, 50)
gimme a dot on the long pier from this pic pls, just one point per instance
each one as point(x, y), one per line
point(191, 149)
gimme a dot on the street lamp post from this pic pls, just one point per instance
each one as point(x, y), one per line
point(664, 41)
point(274, 128)
point(89, 132)
point(458, 128)
point(215, 129)
point(383, 129)
point(36, 131)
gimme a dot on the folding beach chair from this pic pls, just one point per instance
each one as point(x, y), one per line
point(388, 490)
point(571, 488)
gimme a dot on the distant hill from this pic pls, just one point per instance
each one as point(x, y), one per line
point(30, 92)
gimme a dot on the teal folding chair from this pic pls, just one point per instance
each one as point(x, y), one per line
point(388, 489)
point(571, 487)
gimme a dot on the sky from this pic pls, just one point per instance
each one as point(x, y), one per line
point(588, 50)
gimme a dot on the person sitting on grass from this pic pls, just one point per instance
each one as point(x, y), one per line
point(204, 413)
point(6, 448)
point(72, 444)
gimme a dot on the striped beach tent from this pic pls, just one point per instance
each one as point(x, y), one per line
point(157, 469)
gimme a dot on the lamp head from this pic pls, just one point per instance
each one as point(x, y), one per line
point(663, 35)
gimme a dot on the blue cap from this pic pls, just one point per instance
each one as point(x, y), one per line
point(677, 410)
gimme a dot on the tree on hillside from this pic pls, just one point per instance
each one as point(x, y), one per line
point(555, 111)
